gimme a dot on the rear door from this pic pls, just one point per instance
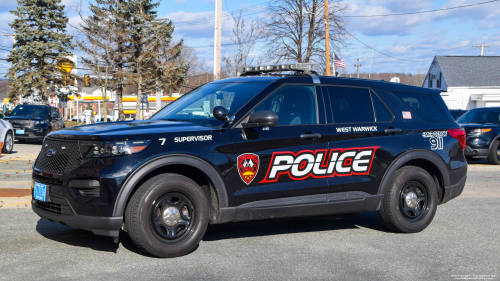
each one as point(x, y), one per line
point(365, 136)
point(282, 161)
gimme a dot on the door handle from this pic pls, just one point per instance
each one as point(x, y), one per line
point(310, 136)
point(392, 131)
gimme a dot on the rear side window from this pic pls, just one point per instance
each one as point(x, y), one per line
point(424, 106)
point(351, 105)
point(381, 111)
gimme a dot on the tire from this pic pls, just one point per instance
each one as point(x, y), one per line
point(396, 214)
point(148, 226)
point(494, 155)
point(8, 143)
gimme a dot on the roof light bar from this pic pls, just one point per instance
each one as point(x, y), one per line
point(300, 67)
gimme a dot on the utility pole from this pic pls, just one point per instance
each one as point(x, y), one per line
point(357, 65)
point(371, 59)
point(217, 38)
point(481, 47)
point(327, 40)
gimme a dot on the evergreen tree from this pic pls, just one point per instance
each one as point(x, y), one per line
point(41, 43)
point(154, 57)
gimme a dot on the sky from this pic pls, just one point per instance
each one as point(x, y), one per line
point(412, 41)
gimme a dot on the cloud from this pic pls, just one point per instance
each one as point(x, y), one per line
point(487, 14)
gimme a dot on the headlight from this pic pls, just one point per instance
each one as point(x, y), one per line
point(41, 122)
point(478, 132)
point(112, 148)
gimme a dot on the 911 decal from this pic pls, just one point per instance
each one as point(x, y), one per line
point(320, 163)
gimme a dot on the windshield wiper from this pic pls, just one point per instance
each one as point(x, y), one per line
point(178, 120)
point(480, 122)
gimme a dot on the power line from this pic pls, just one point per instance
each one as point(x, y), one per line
point(428, 11)
point(380, 51)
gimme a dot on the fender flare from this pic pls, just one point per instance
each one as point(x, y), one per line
point(413, 155)
point(171, 159)
point(493, 140)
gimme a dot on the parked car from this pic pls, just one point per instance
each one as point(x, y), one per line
point(482, 126)
point(6, 135)
point(34, 122)
point(256, 147)
point(456, 113)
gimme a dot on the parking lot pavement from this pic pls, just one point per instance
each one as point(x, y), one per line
point(462, 242)
point(15, 175)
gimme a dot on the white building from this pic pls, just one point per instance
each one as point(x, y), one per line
point(466, 82)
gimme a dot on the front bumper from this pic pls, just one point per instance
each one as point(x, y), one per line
point(453, 191)
point(476, 152)
point(106, 226)
point(31, 134)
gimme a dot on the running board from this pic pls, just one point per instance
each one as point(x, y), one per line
point(309, 205)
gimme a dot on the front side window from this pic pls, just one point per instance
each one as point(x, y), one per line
point(197, 106)
point(351, 105)
point(294, 105)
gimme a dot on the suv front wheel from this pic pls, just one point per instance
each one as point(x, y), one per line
point(494, 155)
point(410, 201)
point(167, 216)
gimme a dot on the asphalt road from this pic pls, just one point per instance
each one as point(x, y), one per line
point(462, 242)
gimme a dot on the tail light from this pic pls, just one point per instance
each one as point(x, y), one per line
point(460, 135)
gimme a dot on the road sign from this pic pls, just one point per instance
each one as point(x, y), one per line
point(144, 98)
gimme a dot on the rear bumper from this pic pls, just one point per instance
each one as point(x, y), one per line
point(106, 226)
point(453, 191)
point(476, 152)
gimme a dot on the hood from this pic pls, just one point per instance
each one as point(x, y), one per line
point(127, 130)
point(468, 127)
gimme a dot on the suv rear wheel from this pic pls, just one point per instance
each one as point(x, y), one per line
point(494, 155)
point(410, 200)
point(167, 216)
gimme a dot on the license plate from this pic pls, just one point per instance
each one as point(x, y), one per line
point(40, 192)
point(19, 132)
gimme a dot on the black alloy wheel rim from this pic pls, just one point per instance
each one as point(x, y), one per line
point(168, 225)
point(414, 201)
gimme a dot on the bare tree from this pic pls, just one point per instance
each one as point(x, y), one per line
point(244, 39)
point(197, 65)
point(296, 30)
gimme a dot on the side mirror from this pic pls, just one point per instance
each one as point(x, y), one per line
point(263, 118)
point(220, 113)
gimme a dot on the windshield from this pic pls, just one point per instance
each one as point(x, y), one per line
point(197, 106)
point(480, 116)
point(33, 111)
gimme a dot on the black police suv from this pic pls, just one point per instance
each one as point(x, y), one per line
point(34, 122)
point(482, 126)
point(259, 146)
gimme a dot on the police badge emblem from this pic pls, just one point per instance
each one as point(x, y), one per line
point(248, 166)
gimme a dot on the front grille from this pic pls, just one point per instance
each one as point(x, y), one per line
point(64, 156)
point(54, 208)
point(48, 180)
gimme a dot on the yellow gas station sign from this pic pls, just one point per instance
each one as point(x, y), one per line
point(66, 65)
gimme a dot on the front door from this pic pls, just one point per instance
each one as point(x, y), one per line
point(286, 160)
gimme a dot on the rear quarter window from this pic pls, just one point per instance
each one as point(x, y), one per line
point(425, 106)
